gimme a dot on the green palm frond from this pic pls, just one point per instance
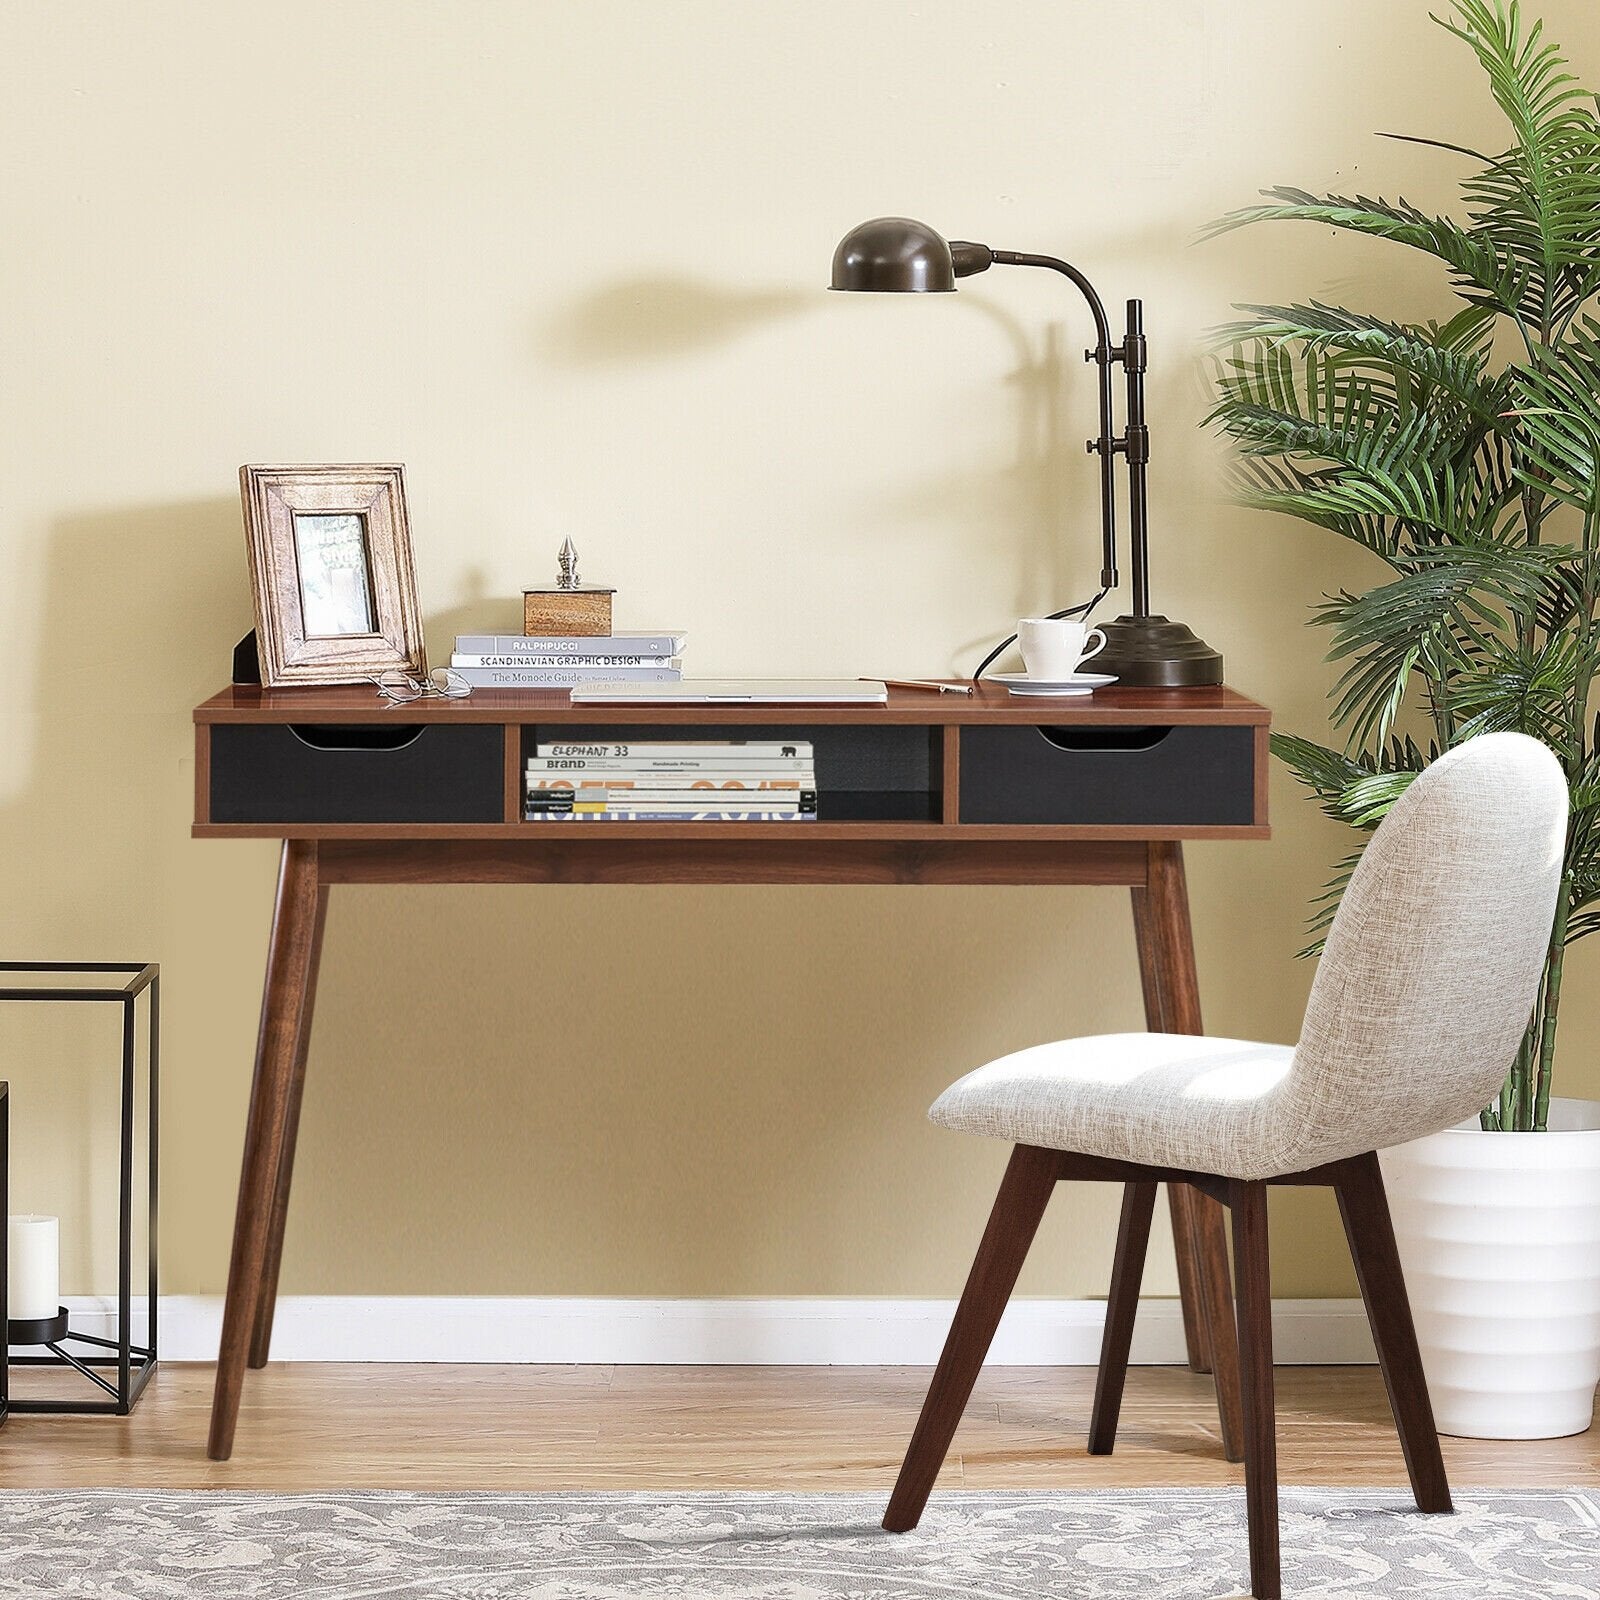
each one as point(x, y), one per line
point(1583, 855)
point(1393, 515)
point(1425, 447)
point(1540, 200)
point(1326, 772)
point(1583, 788)
point(1266, 485)
point(1354, 789)
point(1358, 789)
point(1325, 906)
point(1450, 362)
point(1385, 449)
point(1455, 596)
point(1557, 408)
point(1367, 802)
point(1480, 270)
point(1524, 687)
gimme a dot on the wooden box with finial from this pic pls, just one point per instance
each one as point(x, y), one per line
point(582, 610)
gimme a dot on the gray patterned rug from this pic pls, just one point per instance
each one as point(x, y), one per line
point(1519, 1544)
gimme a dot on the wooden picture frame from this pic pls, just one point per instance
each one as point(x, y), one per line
point(330, 568)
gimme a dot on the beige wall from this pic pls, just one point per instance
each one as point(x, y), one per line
point(566, 262)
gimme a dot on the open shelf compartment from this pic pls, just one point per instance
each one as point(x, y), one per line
point(876, 774)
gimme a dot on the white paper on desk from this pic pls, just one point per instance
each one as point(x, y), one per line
point(724, 691)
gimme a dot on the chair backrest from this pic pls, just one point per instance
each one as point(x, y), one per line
point(1431, 968)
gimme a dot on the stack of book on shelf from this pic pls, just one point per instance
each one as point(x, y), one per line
point(671, 781)
point(551, 661)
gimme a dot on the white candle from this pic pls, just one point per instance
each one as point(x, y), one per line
point(33, 1281)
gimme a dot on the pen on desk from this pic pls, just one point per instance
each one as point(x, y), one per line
point(922, 683)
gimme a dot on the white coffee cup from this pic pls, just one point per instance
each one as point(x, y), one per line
point(1053, 650)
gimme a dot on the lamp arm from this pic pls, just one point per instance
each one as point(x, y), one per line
point(1017, 258)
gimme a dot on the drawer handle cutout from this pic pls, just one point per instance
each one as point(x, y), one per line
point(331, 736)
point(1104, 738)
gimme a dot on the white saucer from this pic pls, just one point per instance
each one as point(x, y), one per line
point(1079, 683)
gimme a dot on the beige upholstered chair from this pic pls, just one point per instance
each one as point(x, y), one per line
point(1424, 989)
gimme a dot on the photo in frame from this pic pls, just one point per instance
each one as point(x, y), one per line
point(331, 571)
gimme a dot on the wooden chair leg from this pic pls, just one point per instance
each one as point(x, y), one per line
point(1127, 1272)
point(1209, 1237)
point(1025, 1191)
point(1254, 1288)
point(1365, 1209)
point(1196, 1333)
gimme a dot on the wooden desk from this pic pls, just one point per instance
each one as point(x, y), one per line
point(986, 789)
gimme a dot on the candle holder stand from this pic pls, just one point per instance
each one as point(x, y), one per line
point(120, 983)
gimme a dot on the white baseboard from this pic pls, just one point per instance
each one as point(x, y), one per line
point(792, 1332)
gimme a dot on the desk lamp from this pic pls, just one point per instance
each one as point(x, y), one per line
point(894, 255)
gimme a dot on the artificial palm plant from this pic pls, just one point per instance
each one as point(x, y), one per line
point(1463, 454)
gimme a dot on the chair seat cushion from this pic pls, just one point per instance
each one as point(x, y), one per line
point(1163, 1099)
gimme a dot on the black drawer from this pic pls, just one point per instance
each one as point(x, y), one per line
point(383, 772)
point(1187, 776)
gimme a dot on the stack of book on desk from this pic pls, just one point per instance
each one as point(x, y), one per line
point(548, 661)
point(670, 781)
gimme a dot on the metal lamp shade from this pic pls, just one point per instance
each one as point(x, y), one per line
point(893, 255)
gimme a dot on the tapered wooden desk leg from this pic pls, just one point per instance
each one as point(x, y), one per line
point(282, 1001)
point(1166, 963)
point(261, 1335)
point(1195, 1338)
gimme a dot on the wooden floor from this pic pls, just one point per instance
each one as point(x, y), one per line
point(479, 1427)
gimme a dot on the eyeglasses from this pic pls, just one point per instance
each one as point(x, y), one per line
point(400, 688)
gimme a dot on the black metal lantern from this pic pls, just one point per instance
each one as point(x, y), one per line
point(45, 1340)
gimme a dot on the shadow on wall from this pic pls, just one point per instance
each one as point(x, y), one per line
point(658, 318)
point(1038, 511)
point(1027, 501)
point(139, 611)
point(142, 607)
point(484, 610)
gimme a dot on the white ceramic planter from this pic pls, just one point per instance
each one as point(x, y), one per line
point(1499, 1235)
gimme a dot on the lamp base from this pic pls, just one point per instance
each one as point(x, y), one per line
point(1154, 653)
